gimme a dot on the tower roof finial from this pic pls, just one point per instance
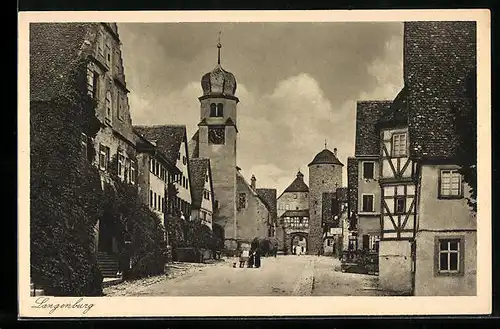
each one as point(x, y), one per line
point(219, 46)
point(325, 143)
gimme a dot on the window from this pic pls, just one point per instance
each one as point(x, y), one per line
point(152, 165)
point(206, 178)
point(242, 201)
point(154, 200)
point(101, 43)
point(220, 110)
point(178, 155)
point(121, 160)
point(133, 174)
point(162, 204)
point(109, 105)
point(287, 207)
point(127, 170)
point(449, 255)
point(108, 52)
point(213, 110)
point(328, 242)
point(120, 107)
point(295, 195)
point(150, 198)
point(366, 241)
point(368, 168)
point(103, 157)
point(83, 141)
point(399, 144)
point(184, 160)
point(374, 242)
point(450, 184)
point(400, 205)
point(367, 203)
point(117, 61)
point(216, 135)
point(92, 82)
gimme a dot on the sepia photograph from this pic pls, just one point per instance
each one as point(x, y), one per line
point(253, 158)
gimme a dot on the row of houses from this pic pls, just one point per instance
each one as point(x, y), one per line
point(408, 199)
point(175, 176)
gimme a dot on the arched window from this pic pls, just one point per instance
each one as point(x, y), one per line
point(109, 104)
point(220, 110)
point(213, 110)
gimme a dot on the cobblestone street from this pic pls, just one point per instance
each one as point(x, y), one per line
point(280, 276)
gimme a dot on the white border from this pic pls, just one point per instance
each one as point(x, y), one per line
point(266, 306)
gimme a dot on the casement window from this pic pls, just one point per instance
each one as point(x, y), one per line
point(108, 51)
point(92, 82)
point(374, 242)
point(162, 204)
point(103, 157)
point(154, 200)
point(100, 44)
point(133, 173)
point(368, 170)
point(121, 163)
point(127, 170)
point(367, 203)
point(399, 144)
point(109, 105)
point(450, 184)
point(120, 106)
point(400, 205)
point(83, 142)
point(242, 201)
point(150, 198)
point(449, 255)
point(151, 165)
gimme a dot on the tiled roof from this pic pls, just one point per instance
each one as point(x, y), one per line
point(296, 213)
point(439, 73)
point(194, 145)
point(198, 170)
point(298, 184)
point(268, 195)
point(397, 114)
point(168, 138)
point(56, 51)
point(368, 113)
point(325, 157)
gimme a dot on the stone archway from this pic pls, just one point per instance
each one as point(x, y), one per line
point(301, 242)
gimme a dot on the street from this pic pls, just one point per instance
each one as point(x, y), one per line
point(280, 276)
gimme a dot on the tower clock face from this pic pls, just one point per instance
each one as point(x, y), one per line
point(216, 135)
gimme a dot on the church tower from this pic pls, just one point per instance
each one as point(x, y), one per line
point(217, 141)
point(325, 175)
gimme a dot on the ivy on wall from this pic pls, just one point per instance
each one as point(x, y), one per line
point(65, 191)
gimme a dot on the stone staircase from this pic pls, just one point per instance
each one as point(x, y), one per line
point(108, 264)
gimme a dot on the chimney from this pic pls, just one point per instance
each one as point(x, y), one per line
point(335, 151)
point(253, 180)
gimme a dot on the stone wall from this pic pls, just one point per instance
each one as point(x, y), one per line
point(395, 266)
point(322, 178)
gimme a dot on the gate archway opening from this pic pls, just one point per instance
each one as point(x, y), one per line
point(299, 243)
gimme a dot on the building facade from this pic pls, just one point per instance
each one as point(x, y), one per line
point(202, 208)
point(294, 197)
point(441, 102)
point(325, 175)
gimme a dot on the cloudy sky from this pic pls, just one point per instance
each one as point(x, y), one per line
point(298, 84)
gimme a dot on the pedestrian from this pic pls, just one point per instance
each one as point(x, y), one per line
point(251, 259)
point(243, 257)
point(257, 258)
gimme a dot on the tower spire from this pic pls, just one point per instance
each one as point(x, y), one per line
point(219, 46)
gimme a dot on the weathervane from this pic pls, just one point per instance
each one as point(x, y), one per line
point(219, 46)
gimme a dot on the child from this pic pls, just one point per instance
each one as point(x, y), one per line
point(243, 257)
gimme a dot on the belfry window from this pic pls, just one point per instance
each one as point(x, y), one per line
point(213, 110)
point(220, 110)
